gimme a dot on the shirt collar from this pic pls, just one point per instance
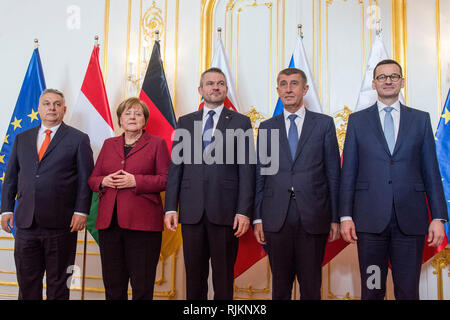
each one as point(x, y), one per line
point(217, 110)
point(395, 105)
point(54, 129)
point(300, 113)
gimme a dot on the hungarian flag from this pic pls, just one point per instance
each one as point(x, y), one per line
point(155, 93)
point(92, 115)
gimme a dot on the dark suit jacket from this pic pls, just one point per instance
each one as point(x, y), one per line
point(314, 174)
point(53, 189)
point(138, 208)
point(222, 190)
point(372, 179)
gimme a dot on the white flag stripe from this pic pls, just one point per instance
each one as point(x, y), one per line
point(368, 96)
point(220, 61)
point(87, 119)
point(311, 100)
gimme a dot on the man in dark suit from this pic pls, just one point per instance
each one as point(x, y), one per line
point(212, 179)
point(48, 171)
point(389, 173)
point(296, 207)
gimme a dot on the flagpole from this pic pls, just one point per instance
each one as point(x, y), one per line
point(300, 32)
point(83, 277)
point(219, 33)
point(36, 43)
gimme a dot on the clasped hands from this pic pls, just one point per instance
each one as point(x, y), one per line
point(119, 180)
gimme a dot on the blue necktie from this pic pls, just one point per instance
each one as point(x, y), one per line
point(208, 129)
point(389, 132)
point(293, 135)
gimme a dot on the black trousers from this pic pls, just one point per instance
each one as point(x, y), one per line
point(204, 241)
point(38, 250)
point(294, 252)
point(405, 255)
point(129, 256)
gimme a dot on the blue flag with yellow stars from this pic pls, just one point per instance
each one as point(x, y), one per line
point(25, 115)
point(443, 154)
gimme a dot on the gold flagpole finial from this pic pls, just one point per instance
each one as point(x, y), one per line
point(96, 41)
point(157, 35)
point(378, 28)
point(36, 43)
point(300, 32)
point(219, 33)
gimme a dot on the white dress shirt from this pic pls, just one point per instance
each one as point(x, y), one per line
point(299, 122)
point(40, 140)
point(396, 117)
point(216, 116)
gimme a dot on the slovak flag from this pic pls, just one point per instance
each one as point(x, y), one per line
point(220, 61)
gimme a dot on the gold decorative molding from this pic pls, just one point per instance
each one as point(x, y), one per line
point(342, 130)
point(152, 21)
point(439, 55)
point(399, 38)
point(106, 39)
point(439, 263)
point(331, 295)
point(251, 292)
point(206, 33)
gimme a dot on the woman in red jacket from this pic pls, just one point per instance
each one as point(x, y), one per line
point(129, 175)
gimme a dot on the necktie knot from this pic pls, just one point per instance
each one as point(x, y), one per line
point(48, 132)
point(388, 109)
point(292, 117)
point(211, 113)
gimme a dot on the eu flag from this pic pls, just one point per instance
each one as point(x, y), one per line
point(25, 115)
point(443, 153)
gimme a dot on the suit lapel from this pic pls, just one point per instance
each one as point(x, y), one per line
point(59, 135)
point(33, 136)
point(307, 128)
point(373, 118)
point(119, 145)
point(143, 141)
point(405, 122)
point(224, 119)
point(281, 126)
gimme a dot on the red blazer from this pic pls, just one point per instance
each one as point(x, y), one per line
point(138, 208)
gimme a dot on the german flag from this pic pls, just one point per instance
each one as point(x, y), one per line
point(155, 93)
point(162, 123)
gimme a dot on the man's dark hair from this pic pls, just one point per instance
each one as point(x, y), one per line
point(387, 61)
point(291, 71)
point(212, 70)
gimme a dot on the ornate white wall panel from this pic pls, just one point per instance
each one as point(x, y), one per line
point(259, 37)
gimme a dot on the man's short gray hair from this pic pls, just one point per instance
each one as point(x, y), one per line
point(54, 91)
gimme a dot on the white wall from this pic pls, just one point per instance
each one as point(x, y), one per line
point(65, 48)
